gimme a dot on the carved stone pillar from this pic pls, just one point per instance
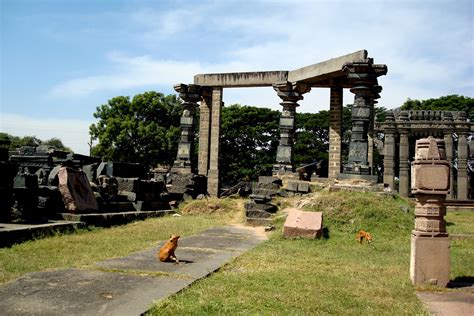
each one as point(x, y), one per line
point(213, 176)
point(204, 131)
point(389, 151)
point(290, 93)
point(190, 94)
point(430, 258)
point(364, 77)
point(462, 166)
point(449, 149)
point(335, 132)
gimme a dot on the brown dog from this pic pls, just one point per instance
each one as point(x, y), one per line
point(361, 235)
point(167, 251)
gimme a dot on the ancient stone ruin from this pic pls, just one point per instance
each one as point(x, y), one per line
point(402, 128)
point(355, 71)
point(430, 259)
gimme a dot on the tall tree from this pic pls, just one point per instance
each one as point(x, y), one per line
point(311, 138)
point(248, 142)
point(144, 129)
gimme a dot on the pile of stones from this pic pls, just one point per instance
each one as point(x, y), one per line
point(259, 209)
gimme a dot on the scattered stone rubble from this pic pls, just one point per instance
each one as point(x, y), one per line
point(40, 184)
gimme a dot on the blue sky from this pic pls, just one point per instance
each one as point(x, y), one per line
point(60, 59)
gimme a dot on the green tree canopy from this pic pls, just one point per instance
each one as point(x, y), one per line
point(144, 129)
point(249, 138)
point(447, 103)
point(33, 141)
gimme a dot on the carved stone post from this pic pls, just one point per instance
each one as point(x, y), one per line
point(364, 76)
point(404, 163)
point(204, 131)
point(463, 130)
point(213, 176)
point(290, 93)
point(389, 150)
point(190, 94)
point(430, 259)
point(448, 143)
point(335, 132)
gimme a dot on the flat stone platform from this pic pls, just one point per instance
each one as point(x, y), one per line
point(116, 218)
point(17, 233)
point(127, 285)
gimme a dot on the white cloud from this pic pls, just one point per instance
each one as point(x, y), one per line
point(427, 47)
point(73, 133)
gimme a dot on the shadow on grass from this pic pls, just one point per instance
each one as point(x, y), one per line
point(325, 233)
point(462, 281)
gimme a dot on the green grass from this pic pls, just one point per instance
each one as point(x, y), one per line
point(462, 250)
point(334, 275)
point(325, 276)
point(88, 246)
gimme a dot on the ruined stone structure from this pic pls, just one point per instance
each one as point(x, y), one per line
point(354, 71)
point(430, 258)
point(402, 128)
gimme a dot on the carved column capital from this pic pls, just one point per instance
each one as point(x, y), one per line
point(291, 91)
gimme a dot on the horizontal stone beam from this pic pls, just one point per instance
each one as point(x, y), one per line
point(333, 67)
point(241, 79)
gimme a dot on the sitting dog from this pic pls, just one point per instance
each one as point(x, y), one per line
point(361, 235)
point(167, 251)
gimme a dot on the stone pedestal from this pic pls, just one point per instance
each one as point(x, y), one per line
point(429, 260)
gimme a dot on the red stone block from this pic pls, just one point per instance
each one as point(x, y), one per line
point(303, 224)
point(76, 191)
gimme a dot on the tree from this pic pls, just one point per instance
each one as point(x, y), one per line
point(33, 141)
point(446, 103)
point(249, 138)
point(144, 130)
point(311, 138)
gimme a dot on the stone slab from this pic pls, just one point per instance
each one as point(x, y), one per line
point(316, 72)
point(110, 219)
point(303, 224)
point(16, 233)
point(85, 292)
point(459, 303)
point(241, 79)
point(76, 191)
point(430, 260)
point(129, 285)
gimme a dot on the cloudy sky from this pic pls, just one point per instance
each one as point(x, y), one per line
point(60, 59)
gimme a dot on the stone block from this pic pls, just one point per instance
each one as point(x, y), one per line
point(75, 190)
point(260, 199)
point(298, 186)
point(430, 178)
point(269, 179)
point(430, 260)
point(252, 206)
point(257, 214)
point(432, 225)
point(303, 224)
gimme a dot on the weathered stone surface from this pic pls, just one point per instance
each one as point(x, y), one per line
point(253, 213)
point(269, 179)
point(75, 190)
point(430, 178)
point(260, 207)
point(260, 198)
point(303, 224)
point(430, 260)
point(298, 186)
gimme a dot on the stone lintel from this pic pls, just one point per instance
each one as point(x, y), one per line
point(321, 71)
point(241, 79)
